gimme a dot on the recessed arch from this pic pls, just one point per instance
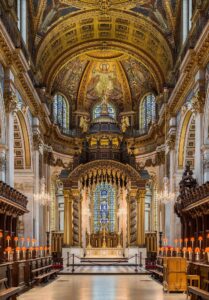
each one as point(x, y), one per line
point(182, 138)
point(25, 139)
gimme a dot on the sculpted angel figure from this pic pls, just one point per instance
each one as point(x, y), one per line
point(84, 123)
point(125, 123)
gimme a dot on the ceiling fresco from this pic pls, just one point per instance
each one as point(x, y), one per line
point(86, 79)
point(68, 80)
point(139, 78)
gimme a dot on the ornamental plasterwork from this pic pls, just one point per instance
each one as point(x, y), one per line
point(89, 28)
point(198, 102)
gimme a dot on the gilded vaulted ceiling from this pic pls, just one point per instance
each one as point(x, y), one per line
point(74, 37)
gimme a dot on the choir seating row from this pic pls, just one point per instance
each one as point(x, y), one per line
point(18, 276)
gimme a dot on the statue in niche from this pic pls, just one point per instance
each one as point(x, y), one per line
point(84, 124)
point(124, 123)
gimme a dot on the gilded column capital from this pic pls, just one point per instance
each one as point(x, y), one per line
point(141, 194)
point(171, 141)
point(37, 140)
point(198, 102)
point(66, 194)
point(11, 102)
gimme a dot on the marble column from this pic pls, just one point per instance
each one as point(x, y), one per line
point(68, 228)
point(197, 104)
point(2, 163)
point(140, 217)
point(169, 207)
point(36, 202)
point(11, 102)
point(205, 152)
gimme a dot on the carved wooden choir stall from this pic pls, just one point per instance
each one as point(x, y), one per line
point(22, 262)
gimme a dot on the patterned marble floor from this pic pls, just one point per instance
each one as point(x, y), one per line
point(104, 270)
point(82, 287)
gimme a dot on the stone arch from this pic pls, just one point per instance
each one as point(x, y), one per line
point(22, 145)
point(185, 125)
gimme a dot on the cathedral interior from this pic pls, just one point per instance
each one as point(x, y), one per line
point(104, 149)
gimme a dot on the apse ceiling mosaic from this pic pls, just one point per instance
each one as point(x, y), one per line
point(85, 47)
point(88, 78)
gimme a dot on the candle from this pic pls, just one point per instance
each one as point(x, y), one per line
point(181, 242)
point(186, 242)
point(171, 251)
point(8, 238)
point(33, 242)
point(22, 241)
point(23, 250)
point(200, 241)
point(28, 242)
point(16, 240)
point(176, 242)
point(197, 254)
point(164, 241)
point(41, 250)
point(192, 240)
point(184, 252)
point(18, 253)
point(8, 250)
point(190, 253)
point(177, 251)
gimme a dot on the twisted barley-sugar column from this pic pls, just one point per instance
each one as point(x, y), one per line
point(140, 217)
point(68, 227)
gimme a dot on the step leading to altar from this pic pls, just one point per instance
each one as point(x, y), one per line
point(117, 255)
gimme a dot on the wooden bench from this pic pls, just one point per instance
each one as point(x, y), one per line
point(46, 276)
point(197, 293)
point(8, 292)
point(157, 275)
point(41, 269)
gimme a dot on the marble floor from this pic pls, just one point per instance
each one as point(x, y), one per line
point(100, 287)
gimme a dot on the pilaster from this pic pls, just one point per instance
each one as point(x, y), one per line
point(198, 102)
point(68, 229)
point(140, 217)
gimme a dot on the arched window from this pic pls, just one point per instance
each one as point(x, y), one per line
point(104, 208)
point(1, 79)
point(147, 111)
point(98, 109)
point(61, 111)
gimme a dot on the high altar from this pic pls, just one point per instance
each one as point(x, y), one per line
point(104, 195)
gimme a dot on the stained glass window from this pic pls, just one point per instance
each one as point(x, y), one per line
point(98, 109)
point(104, 208)
point(61, 111)
point(147, 111)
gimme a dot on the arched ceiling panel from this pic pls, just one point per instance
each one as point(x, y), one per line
point(92, 31)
